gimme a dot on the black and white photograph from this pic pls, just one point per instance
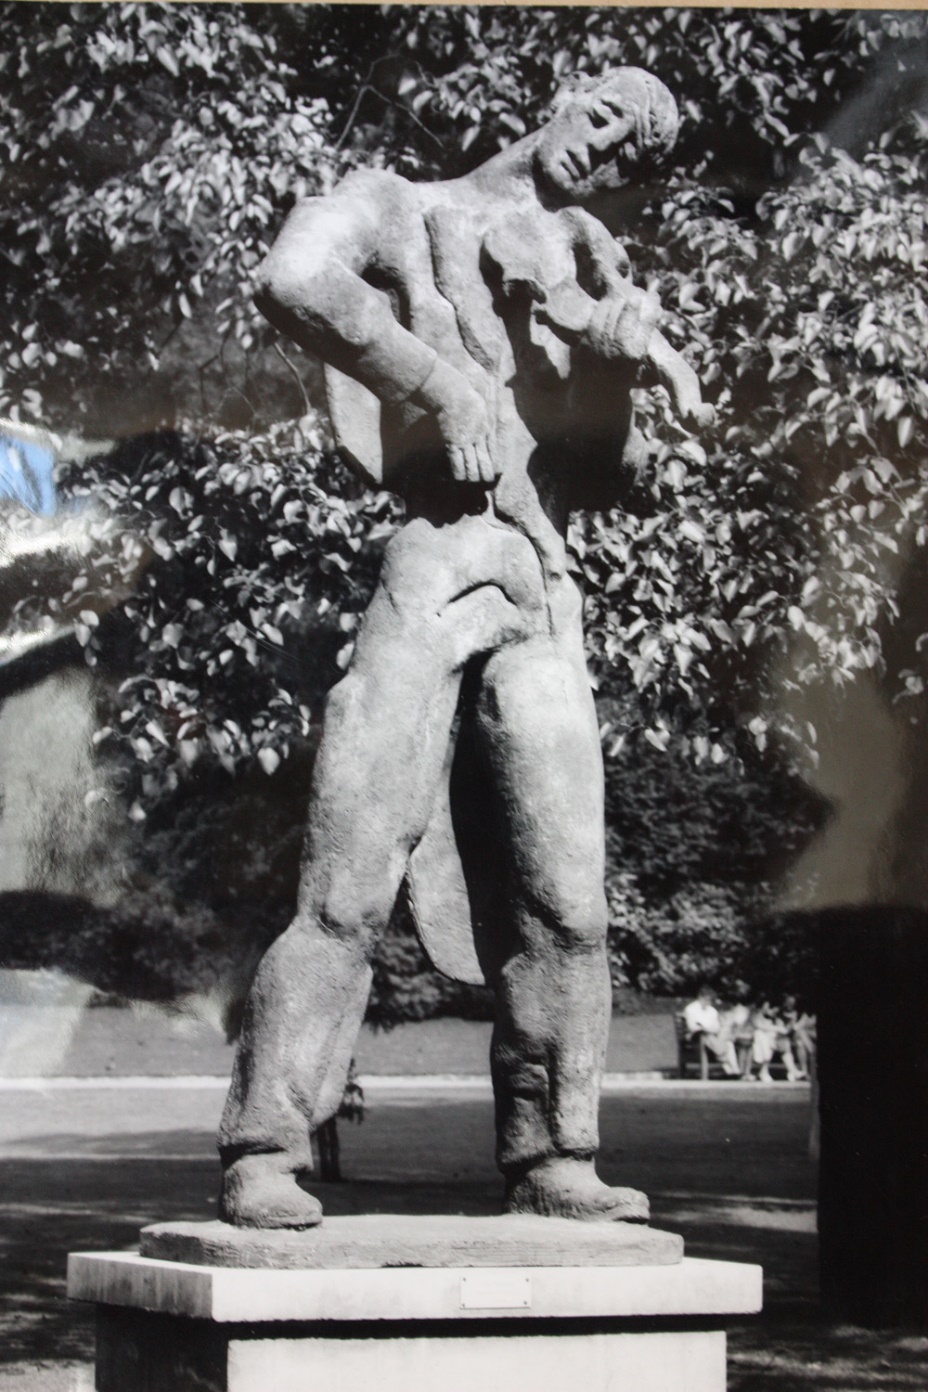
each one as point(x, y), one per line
point(463, 698)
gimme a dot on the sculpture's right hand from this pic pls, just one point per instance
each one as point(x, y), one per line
point(462, 418)
point(465, 430)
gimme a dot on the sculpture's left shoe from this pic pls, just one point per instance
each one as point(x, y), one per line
point(567, 1186)
point(261, 1191)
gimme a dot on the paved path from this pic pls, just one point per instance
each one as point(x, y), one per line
point(86, 1160)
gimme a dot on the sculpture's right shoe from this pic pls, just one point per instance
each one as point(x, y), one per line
point(260, 1191)
point(566, 1186)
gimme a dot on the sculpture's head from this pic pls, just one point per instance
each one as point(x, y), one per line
point(602, 131)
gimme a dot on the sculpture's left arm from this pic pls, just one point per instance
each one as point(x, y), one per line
point(618, 321)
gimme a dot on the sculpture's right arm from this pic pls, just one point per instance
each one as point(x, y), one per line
point(310, 287)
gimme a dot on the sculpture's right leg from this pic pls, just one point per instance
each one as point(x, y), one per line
point(386, 732)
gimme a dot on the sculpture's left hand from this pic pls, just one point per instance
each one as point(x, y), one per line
point(675, 373)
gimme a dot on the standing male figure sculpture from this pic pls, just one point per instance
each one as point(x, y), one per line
point(481, 337)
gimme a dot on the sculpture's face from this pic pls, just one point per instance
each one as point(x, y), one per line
point(579, 152)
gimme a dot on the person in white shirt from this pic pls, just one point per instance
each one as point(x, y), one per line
point(701, 1017)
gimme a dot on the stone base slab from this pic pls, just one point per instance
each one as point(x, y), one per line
point(433, 1240)
point(692, 1287)
point(171, 1326)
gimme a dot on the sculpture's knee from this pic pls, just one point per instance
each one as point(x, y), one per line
point(354, 910)
point(578, 924)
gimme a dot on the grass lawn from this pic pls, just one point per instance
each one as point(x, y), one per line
point(148, 1041)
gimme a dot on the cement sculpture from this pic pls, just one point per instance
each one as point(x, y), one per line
point(481, 337)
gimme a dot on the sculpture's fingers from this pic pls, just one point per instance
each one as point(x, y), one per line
point(693, 411)
point(628, 326)
point(488, 471)
point(684, 396)
point(651, 311)
point(606, 329)
point(456, 460)
point(647, 311)
point(471, 466)
point(615, 330)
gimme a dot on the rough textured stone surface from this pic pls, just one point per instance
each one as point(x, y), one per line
point(387, 1240)
point(481, 338)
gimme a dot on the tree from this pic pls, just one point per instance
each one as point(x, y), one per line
point(787, 242)
point(135, 215)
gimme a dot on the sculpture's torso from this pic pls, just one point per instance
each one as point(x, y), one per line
point(430, 258)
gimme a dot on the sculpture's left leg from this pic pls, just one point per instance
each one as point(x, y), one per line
point(537, 725)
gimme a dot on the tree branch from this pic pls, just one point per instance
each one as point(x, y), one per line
point(296, 377)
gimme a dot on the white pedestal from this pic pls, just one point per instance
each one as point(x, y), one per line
point(171, 1326)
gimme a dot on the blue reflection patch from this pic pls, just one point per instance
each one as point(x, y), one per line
point(27, 475)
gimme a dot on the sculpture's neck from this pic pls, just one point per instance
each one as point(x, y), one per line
point(511, 173)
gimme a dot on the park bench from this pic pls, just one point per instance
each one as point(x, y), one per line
point(692, 1051)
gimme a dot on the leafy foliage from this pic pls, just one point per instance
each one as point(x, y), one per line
point(784, 537)
point(692, 853)
point(247, 563)
point(174, 136)
point(750, 85)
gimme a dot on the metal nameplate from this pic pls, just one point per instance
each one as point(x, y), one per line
point(496, 1290)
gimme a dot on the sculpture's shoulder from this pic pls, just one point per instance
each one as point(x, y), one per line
point(380, 191)
point(368, 216)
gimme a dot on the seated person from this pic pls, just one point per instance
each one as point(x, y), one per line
point(802, 1030)
point(736, 1026)
point(771, 1036)
point(701, 1017)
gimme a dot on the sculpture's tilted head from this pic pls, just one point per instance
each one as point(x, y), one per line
point(602, 130)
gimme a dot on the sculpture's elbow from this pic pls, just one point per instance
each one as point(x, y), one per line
point(280, 286)
point(307, 278)
point(293, 297)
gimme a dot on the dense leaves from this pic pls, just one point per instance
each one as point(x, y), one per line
point(174, 136)
point(781, 537)
point(246, 562)
point(750, 85)
point(694, 853)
